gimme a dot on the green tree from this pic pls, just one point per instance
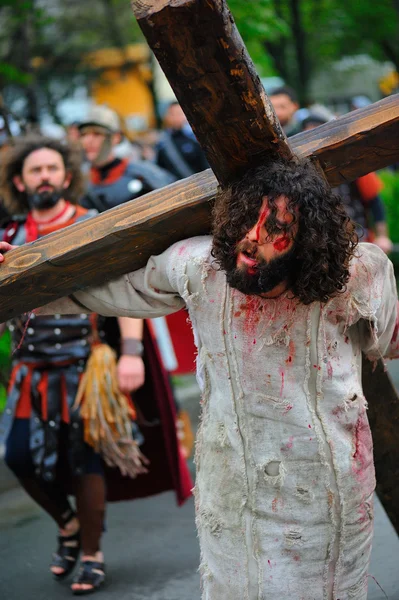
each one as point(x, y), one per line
point(365, 27)
point(43, 44)
point(298, 37)
point(258, 21)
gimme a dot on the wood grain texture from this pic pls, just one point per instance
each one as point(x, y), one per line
point(204, 58)
point(355, 144)
point(383, 415)
point(122, 239)
point(105, 246)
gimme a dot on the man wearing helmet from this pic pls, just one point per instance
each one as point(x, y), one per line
point(113, 180)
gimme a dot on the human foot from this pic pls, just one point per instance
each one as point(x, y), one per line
point(65, 558)
point(91, 574)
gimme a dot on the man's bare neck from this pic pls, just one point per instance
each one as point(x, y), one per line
point(277, 291)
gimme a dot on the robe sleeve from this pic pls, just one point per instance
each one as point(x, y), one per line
point(153, 291)
point(379, 335)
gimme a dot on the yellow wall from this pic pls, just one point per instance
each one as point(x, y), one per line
point(123, 86)
point(126, 92)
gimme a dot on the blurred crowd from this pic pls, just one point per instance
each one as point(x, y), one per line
point(102, 142)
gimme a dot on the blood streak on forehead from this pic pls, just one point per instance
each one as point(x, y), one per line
point(265, 212)
point(282, 214)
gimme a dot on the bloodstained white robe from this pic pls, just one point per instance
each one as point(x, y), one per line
point(285, 475)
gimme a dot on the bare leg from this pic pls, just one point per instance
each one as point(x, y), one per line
point(90, 500)
point(49, 497)
point(54, 501)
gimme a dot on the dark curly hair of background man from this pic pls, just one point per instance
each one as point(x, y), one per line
point(15, 201)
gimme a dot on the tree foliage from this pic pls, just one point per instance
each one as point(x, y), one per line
point(43, 44)
point(299, 37)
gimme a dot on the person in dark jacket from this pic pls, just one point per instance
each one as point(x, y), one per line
point(114, 181)
point(178, 150)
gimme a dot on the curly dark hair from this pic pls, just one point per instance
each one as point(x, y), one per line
point(326, 237)
point(14, 201)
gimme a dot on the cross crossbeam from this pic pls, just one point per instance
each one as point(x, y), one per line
point(122, 239)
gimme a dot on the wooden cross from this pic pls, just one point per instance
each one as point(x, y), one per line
point(212, 75)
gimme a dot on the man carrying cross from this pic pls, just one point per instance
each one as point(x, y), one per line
point(283, 302)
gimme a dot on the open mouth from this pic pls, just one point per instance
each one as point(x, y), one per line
point(247, 258)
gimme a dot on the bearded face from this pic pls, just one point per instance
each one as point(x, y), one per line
point(255, 276)
point(43, 178)
point(265, 259)
point(44, 196)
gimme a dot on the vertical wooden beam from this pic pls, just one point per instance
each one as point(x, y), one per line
point(204, 58)
point(383, 415)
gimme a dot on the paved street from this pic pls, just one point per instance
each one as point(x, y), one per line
point(151, 550)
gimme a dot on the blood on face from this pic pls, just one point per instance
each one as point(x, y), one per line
point(281, 243)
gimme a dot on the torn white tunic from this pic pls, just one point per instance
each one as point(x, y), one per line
point(285, 476)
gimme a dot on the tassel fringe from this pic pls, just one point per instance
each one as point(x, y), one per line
point(107, 414)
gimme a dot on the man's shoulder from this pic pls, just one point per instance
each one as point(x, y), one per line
point(368, 271)
point(371, 272)
point(196, 249)
point(370, 256)
point(81, 213)
point(189, 262)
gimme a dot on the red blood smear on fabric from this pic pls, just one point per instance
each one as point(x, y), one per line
point(281, 243)
point(291, 350)
point(363, 455)
point(282, 383)
point(252, 315)
point(290, 443)
point(329, 371)
point(396, 330)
